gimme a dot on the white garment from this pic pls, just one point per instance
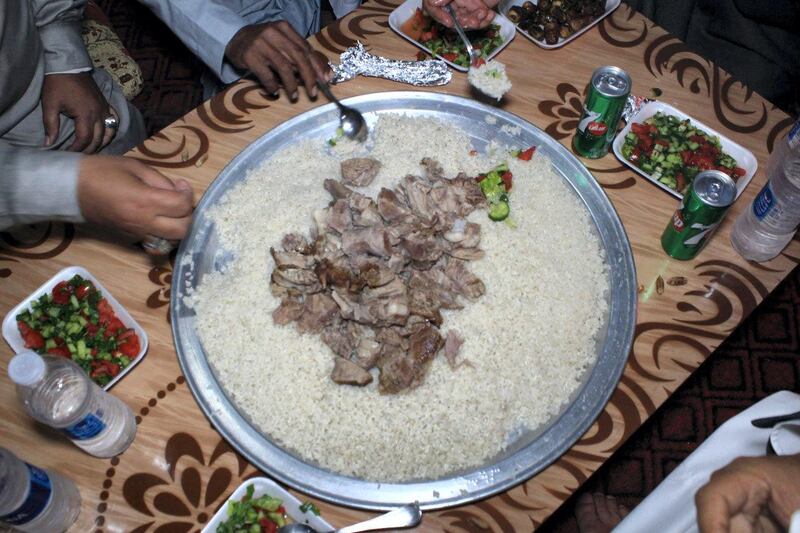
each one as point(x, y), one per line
point(343, 7)
point(670, 507)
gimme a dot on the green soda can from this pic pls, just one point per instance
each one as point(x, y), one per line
point(702, 209)
point(604, 105)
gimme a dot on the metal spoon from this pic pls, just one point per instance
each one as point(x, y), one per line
point(351, 121)
point(405, 516)
point(474, 55)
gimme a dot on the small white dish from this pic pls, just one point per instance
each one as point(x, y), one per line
point(505, 5)
point(14, 339)
point(267, 486)
point(406, 10)
point(744, 157)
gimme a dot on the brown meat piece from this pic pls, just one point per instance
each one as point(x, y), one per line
point(336, 189)
point(373, 241)
point(422, 246)
point(464, 282)
point(298, 279)
point(390, 207)
point(359, 171)
point(287, 311)
point(396, 370)
point(452, 344)
point(292, 259)
point(433, 170)
point(319, 310)
point(348, 373)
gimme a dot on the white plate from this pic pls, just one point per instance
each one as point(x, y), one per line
point(505, 5)
point(14, 339)
point(267, 486)
point(406, 10)
point(744, 157)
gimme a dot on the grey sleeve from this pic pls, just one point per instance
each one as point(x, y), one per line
point(59, 25)
point(38, 185)
point(204, 27)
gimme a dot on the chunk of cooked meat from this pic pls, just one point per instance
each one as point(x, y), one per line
point(292, 259)
point(376, 274)
point(336, 189)
point(348, 373)
point(433, 170)
point(452, 344)
point(287, 311)
point(372, 240)
point(464, 282)
point(319, 310)
point(423, 246)
point(396, 370)
point(360, 171)
point(390, 207)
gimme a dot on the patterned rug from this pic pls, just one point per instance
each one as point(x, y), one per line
point(761, 356)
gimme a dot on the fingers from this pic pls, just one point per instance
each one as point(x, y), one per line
point(171, 228)
point(320, 63)
point(50, 118)
point(109, 133)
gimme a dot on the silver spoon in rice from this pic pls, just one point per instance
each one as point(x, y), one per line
point(405, 516)
point(351, 121)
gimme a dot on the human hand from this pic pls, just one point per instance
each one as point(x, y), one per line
point(470, 13)
point(278, 55)
point(78, 97)
point(127, 194)
point(740, 495)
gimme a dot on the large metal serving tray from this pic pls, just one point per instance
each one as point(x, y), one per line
point(201, 252)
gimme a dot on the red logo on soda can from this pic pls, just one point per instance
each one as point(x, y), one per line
point(596, 128)
point(677, 221)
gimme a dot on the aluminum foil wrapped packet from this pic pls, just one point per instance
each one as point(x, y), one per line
point(356, 60)
point(632, 106)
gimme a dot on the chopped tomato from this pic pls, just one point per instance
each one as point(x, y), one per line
point(478, 62)
point(421, 56)
point(104, 368)
point(113, 327)
point(640, 129)
point(105, 312)
point(83, 290)
point(526, 155)
point(480, 177)
point(62, 292)
point(739, 172)
point(506, 177)
point(663, 142)
point(128, 343)
point(33, 339)
point(60, 351)
point(449, 57)
point(267, 525)
point(680, 181)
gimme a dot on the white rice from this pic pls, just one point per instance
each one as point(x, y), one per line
point(528, 339)
point(490, 79)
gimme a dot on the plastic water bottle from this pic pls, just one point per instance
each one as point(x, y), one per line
point(56, 392)
point(32, 499)
point(770, 222)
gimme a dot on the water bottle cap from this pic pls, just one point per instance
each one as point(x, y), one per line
point(26, 368)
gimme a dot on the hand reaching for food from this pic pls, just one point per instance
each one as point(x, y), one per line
point(77, 97)
point(127, 194)
point(279, 57)
point(471, 14)
point(750, 493)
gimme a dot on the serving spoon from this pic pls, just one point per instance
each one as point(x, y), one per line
point(474, 55)
point(351, 121)
point(405, 516)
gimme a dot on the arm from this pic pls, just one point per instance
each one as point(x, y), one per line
point(204, 27)
point(59, 25)
point(26, 174)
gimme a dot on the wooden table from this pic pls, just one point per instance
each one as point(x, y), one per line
point(179, 470)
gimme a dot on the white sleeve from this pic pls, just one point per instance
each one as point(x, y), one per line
point(205, 27)
point(38, 185)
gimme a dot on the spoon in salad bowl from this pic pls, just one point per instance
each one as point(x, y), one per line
point(405, 516)
point(474, 55)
